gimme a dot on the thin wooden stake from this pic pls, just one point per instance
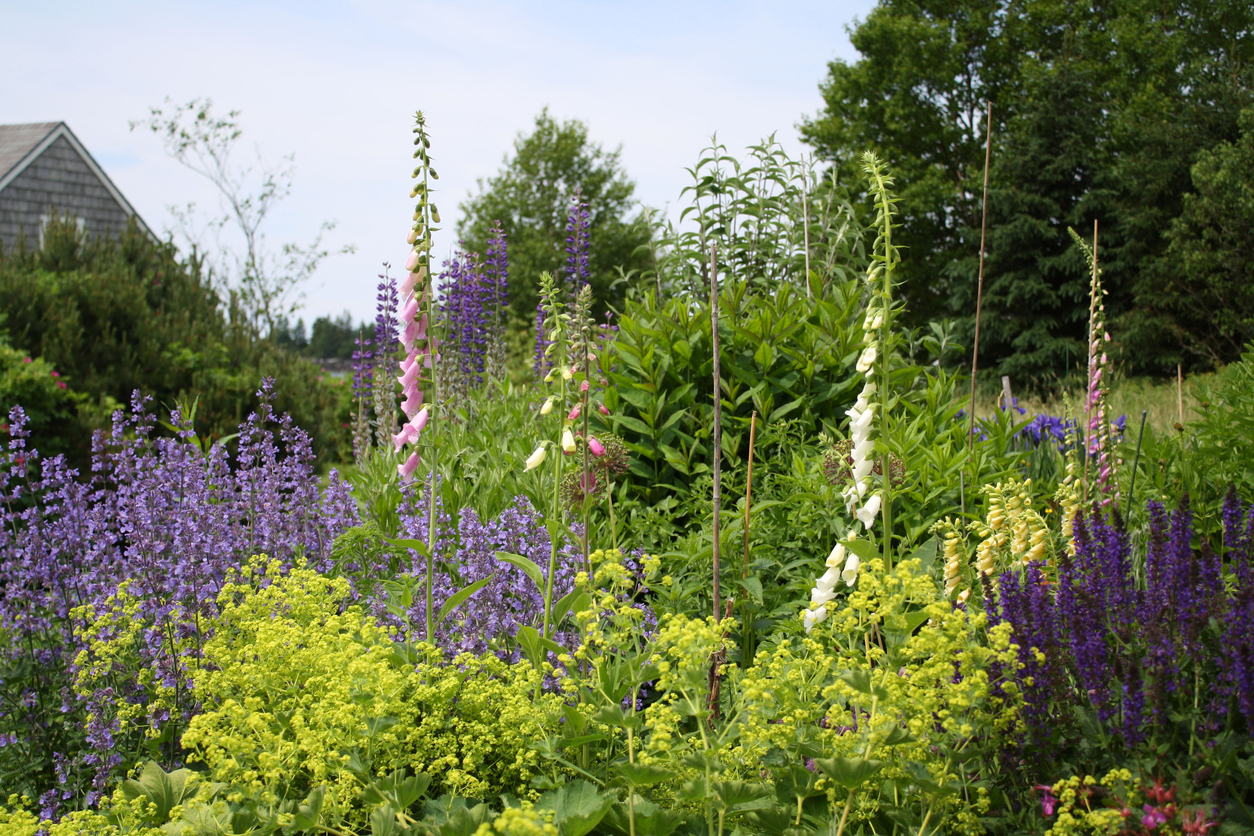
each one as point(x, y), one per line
point(718, 420)
point(979, 289)
point(1180, 392)
point(749, 488)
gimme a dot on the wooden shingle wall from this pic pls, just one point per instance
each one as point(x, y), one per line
point(57, 180)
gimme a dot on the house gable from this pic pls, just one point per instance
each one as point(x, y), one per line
point(45, 169)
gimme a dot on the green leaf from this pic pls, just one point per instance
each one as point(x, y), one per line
point(165, 790)
point(639, 775)
point(752, 585)
point(577, 807)
point(741, 795)
point(455, 600)
point(528, 566)
point(575, 601)
point(308, 813)
point(860, 680)
point(417, 545)
point(850, 773)
point(925, 553)
point(864, 549)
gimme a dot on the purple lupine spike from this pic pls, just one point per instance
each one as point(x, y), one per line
point(577, 242)
point(496, 274)
point(542, 364)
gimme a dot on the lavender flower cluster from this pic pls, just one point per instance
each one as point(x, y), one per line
point(475, 300)
point(1134, 642)
point(466, 552)
point(578, 272)
point(167, 520)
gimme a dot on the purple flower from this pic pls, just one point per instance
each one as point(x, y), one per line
point(577, 241)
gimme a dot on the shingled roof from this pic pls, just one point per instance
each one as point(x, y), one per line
point(45, 169)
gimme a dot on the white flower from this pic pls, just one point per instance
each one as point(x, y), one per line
point(828, 580)
point(867, 358)
point(568, 441)
point(836, 557)
point(548, 405)
point(536, 459)
point(812, 617)
point(851, 570)
point(820, 597)
point(866, 514)
point(862, 469)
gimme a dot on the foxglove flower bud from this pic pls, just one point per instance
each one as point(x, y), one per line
point(537, 458)
point(595, 447)
point(548, 405)
point(568, 442)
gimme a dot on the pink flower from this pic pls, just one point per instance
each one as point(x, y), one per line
point(583, 387)
point(61, 383)
point(574, 413)
point(1048, 803)
point(603, 409)
point(26, 360)
point(1153, 817)
point(411, 263)
point(595, 447)
point(407, 469)
point(56, 374)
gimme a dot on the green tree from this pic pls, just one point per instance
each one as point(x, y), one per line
point(917, 98)
point(531, 197)
point(1101, 109)
point(1202, 291)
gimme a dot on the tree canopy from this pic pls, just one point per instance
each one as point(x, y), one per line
point(531, 197)
point(1126, 112)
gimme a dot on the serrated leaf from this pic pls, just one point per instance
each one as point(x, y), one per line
point(577, 807)
point(860, 680)
point(641, 775)
point(850, 773)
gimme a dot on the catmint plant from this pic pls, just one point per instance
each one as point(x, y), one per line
point(111, 583)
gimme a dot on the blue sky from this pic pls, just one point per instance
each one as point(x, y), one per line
point(336, 84)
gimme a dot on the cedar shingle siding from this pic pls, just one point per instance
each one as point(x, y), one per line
point(60, 177)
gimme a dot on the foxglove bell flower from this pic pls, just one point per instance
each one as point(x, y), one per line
point(548, 405)
point(596, 448)
point(537, 458)
point(568, 441)
point(407, 469)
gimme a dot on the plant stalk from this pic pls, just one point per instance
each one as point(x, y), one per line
point(718, 421)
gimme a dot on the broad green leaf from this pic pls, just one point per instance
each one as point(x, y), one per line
point(850, 773)
point(640, 775)
point(577, 807)
point(860, 680)
point(419, 546)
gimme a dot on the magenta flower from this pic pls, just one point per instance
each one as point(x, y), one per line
point(596, 447)
point(1153, 817)
point(1048, 802)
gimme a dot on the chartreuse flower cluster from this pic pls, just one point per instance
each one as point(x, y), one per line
point(297, 688)
point(918, 703)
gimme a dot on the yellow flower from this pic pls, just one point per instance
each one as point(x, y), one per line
point(536, 459)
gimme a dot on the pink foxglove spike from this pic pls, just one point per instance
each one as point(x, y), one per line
point(410, 310)
point(412, 402)
point(409, 372)
point(407, 469)
point(412, 262)
point(409, 335)
point(410, 281)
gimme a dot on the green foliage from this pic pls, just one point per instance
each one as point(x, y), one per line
point(60, 418)
point(531, 197)
point(1099, 112)
point(1203, 290)
point(336, 700)
point(115, 317)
